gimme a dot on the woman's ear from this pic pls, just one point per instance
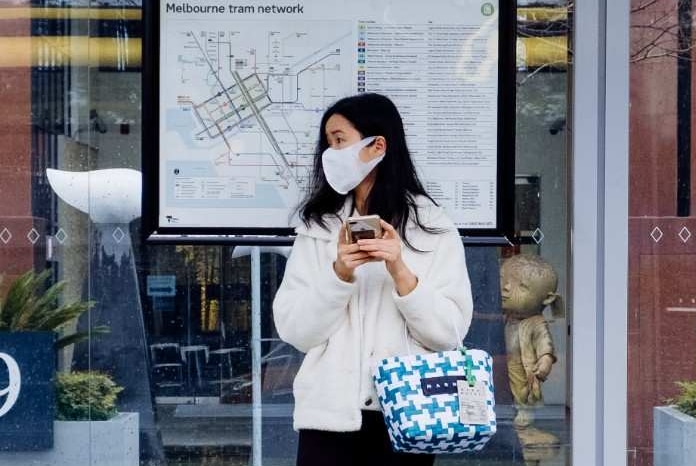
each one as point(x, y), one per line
point(380, 145)
point(375, 149)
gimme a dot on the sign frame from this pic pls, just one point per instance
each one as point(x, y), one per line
point(153, 233)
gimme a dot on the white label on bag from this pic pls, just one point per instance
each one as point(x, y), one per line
point(473, 406)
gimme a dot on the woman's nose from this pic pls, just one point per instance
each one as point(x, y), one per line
point(506, 287)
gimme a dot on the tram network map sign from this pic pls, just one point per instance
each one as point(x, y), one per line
point(234, 93)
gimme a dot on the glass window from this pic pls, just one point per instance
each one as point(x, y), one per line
point(176, 326)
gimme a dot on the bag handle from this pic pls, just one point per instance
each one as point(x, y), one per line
point(468, 360)
point(460, 345)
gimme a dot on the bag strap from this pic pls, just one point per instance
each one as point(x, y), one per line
point(460, 344)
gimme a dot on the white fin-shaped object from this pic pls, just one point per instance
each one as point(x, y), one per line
point(112, 195)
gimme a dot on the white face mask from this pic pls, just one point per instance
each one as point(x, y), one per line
point(343, 168)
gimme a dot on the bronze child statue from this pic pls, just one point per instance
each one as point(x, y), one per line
point(528, 285)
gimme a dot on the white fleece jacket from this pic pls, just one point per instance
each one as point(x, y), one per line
point(345, 335)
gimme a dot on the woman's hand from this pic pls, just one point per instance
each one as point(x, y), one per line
point(348, 257)
point(388, 249)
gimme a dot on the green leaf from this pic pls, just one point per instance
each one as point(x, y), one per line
point(56, 318)
point(20, 302)
point(30, 306)
point(46, 304)
point(77, 337)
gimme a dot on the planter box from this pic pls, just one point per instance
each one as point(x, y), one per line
point(674, 435)
point(86, 443)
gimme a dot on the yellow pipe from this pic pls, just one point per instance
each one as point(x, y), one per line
point(542, 14)
point(16, 52)
point(534, 52)
point(70, 51)
point(71, 13)
point(525, 14)
point(55, 51)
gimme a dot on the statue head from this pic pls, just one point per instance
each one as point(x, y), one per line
point(527, 285)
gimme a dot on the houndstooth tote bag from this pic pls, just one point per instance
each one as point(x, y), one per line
point(438, 402)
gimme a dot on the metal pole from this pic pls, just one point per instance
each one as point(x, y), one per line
point(684, 78)
point(588, 125)
point(256, 452)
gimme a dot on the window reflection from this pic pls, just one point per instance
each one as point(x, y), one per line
point(181, 316)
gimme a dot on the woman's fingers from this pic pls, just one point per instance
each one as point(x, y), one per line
point(381, 248)
point(343, 234)
point(356, 260)
point(352, 255)
point(349, 259)
point(385, 225)
point(389, 231)
point(382, 255)
point(356, 255)
point(390, 247)
point(348, 255)
point(348, 248)
point(371, 245)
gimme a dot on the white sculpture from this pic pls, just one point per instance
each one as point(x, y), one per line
point(112, 195)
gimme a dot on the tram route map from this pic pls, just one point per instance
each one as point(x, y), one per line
point(243, 85)
point(241, 111)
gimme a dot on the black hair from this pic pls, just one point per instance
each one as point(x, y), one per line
point(393, 194)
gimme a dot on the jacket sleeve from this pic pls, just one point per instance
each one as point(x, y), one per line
point(311, 303)
point(439, 309)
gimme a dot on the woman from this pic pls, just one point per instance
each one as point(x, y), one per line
point(348, 306)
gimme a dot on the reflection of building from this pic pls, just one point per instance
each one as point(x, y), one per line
point(60, 66)
point(661, 262)
point(198, 322)
point(18, 173)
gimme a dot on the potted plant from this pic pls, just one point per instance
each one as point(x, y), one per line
point(86, 396)
point(674, 429)
point(108, 438)
point(32, 323)
point(31, 307)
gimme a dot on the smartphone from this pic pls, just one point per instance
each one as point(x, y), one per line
point(363, 227)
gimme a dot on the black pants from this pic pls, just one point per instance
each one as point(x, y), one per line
point(369, 446)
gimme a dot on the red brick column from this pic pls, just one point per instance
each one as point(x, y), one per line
point(662, 246)
point(17, 253)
